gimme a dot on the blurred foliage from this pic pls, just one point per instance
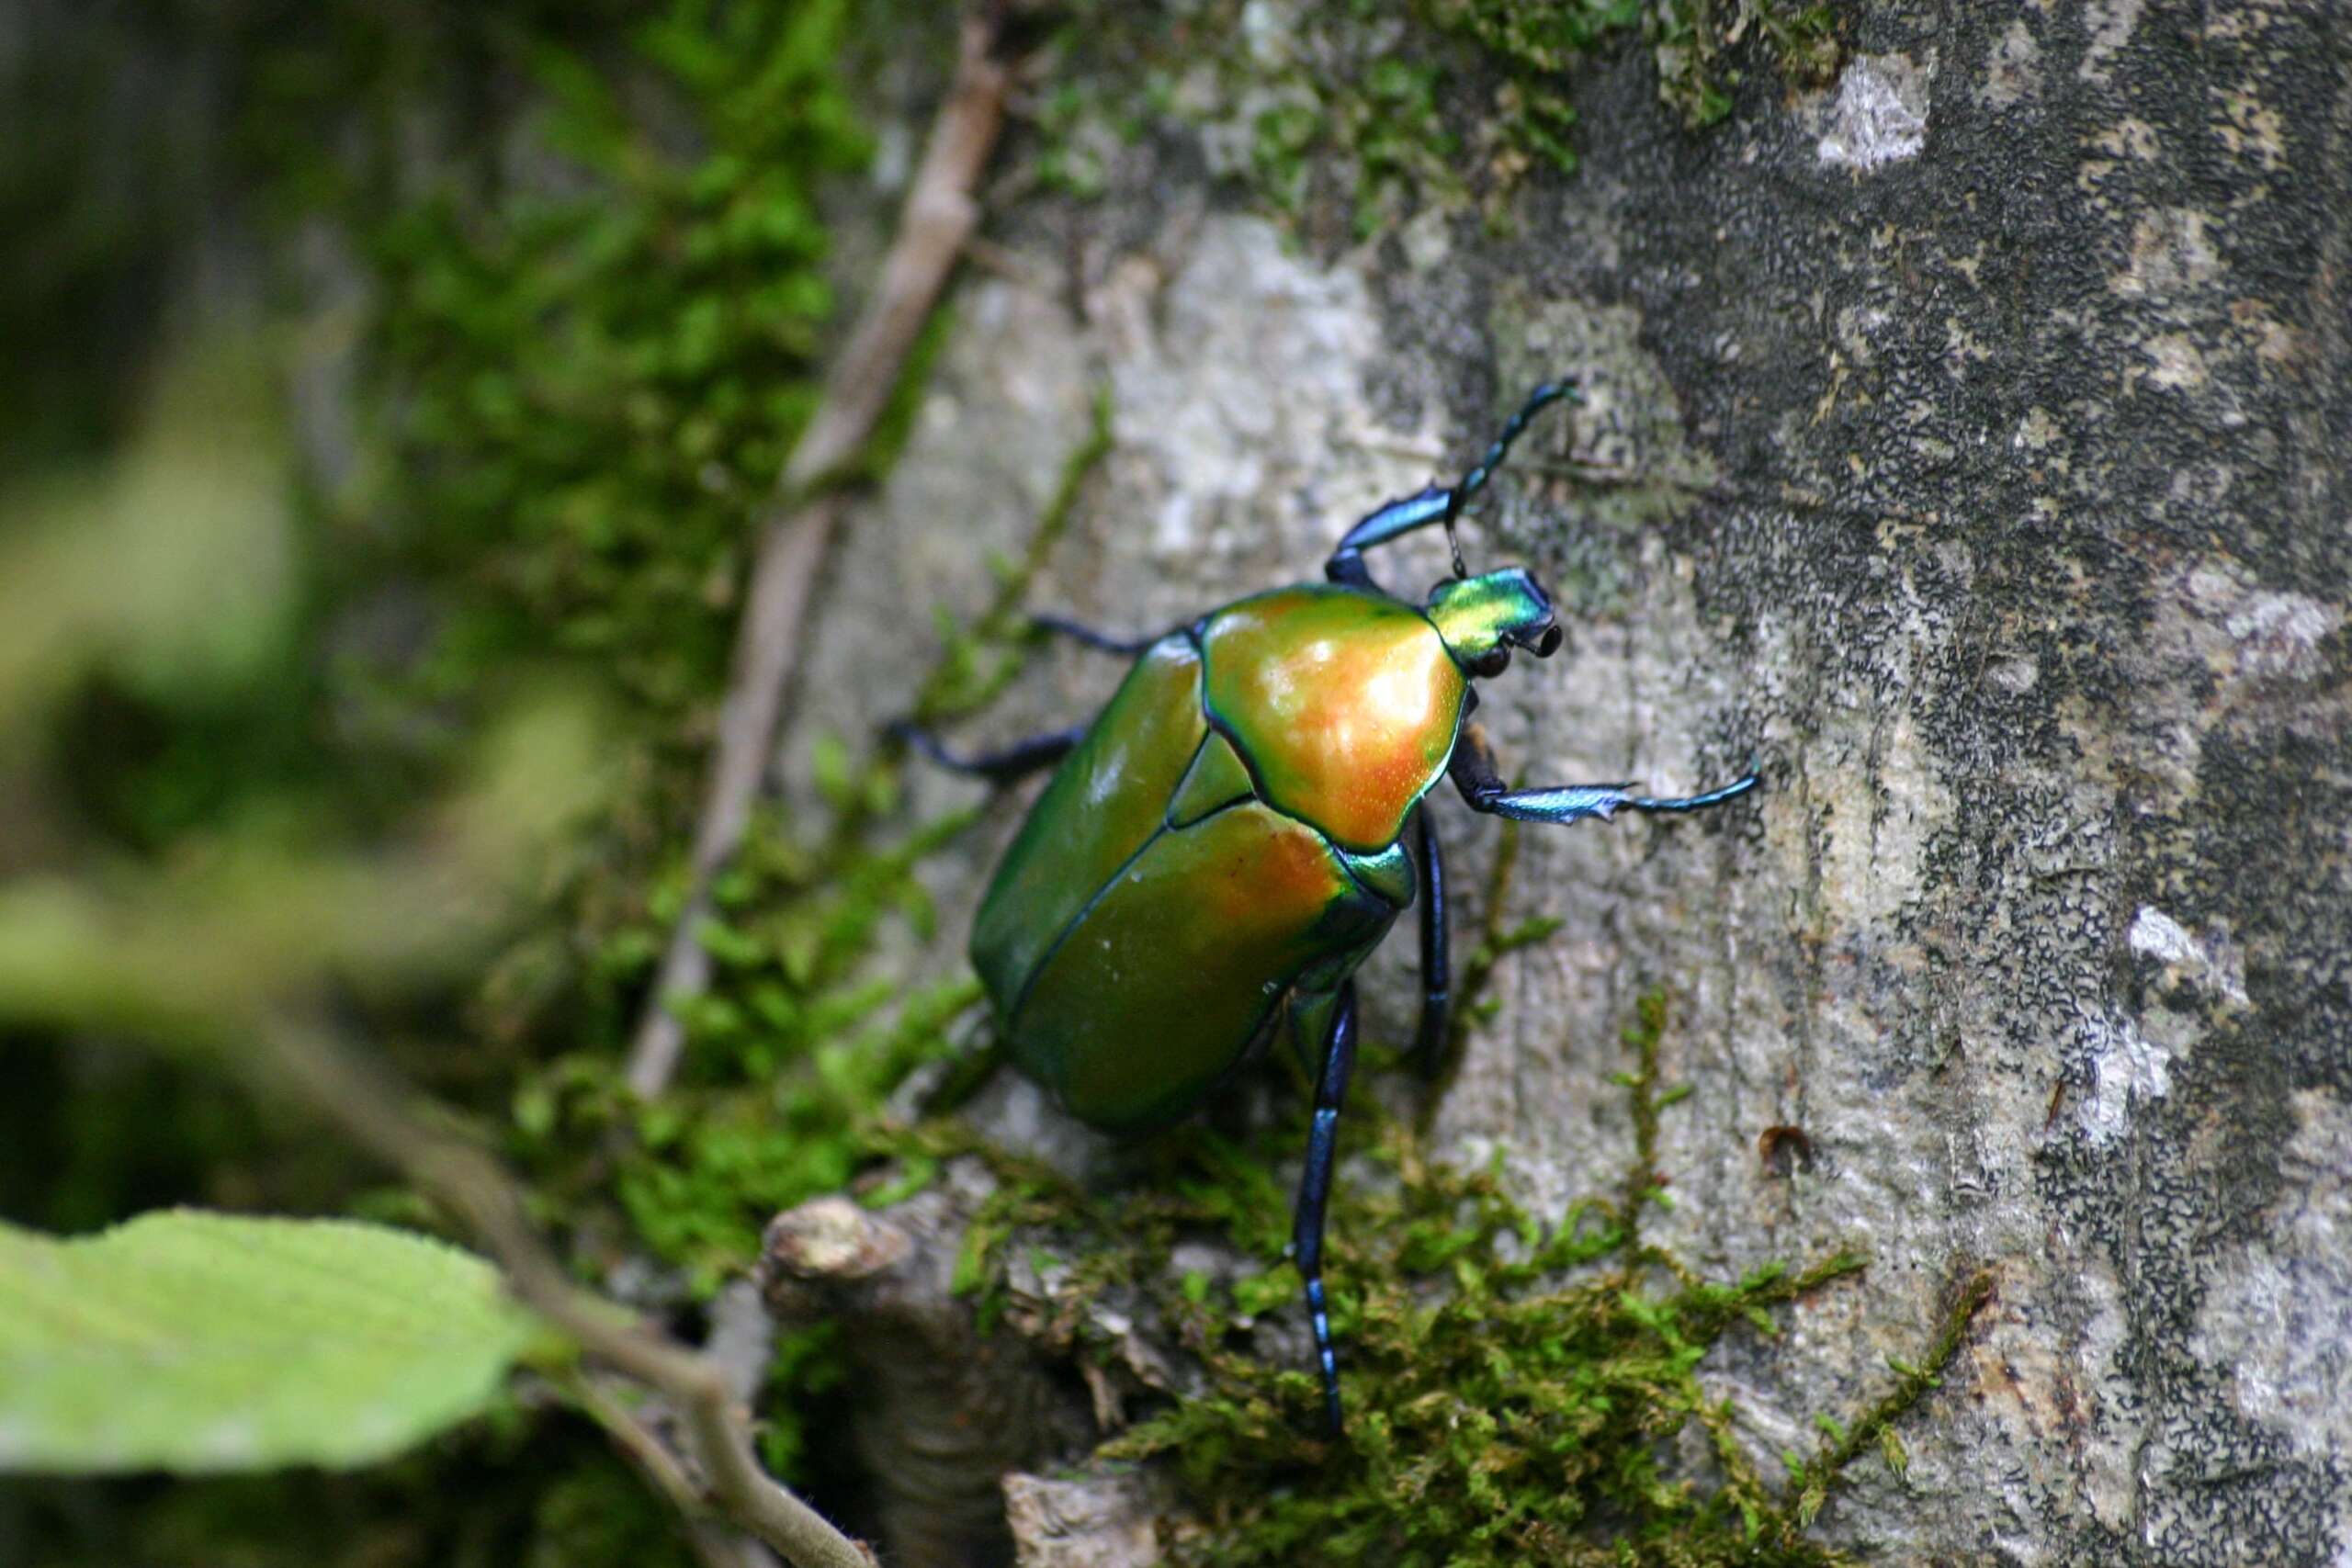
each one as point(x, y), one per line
point(559, 271)
point(183, 1339)
point(599, 370)
point(196, 1342)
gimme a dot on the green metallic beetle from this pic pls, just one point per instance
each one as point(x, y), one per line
point(1223, 846)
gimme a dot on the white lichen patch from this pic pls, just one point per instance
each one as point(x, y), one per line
point(2036, 431)
point(2014, 676)
point(1880, 114)
point(2104, 1448)
point(2242, 632)
point(2278, 634)
point(2210, 964)
point(2157, 935)
point(2128, 1069)
point(1886, 806)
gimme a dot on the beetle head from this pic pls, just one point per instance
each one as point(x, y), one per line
point(1482, 618)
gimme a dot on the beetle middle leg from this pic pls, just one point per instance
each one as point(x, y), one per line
point(1474, 773)
point(1014, 762)
point(1314, 1189)
point(1429, 865)
point(1089, 637)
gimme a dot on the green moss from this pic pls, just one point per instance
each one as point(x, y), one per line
point(1356, 105)
point(1692, 42)
point(595, 381)
point(1516, 1387)
point(1305, 106)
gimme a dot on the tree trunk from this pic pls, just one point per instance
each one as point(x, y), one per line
point(1967, 444)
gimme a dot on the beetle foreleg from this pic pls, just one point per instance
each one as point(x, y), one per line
point(1315, 1190)
point(1436, 503)
point(1401, 516)
point(1014, 762)
point(1428, 1046)
point(1475, 775)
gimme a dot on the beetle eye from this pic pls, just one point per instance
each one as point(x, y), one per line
point(1492, 663)
point(1546, 644)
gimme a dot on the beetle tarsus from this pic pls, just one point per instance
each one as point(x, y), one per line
point(1479, 780)
point(1731, 791)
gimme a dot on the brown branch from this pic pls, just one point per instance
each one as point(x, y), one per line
point(939, 217)
point(350, 1089)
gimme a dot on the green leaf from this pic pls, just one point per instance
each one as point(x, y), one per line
point(192, 1341)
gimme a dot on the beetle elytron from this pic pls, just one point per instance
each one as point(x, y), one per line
point(1225, 843)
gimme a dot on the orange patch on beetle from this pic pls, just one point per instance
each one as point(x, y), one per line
point(1345, 705)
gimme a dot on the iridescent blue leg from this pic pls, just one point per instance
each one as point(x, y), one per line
point(1428, 1046)
point(1314, 1191)
point(1438, 503)
point(1417, 511)
point(1087, 636)
point(1475, 775)
point(1016, 761)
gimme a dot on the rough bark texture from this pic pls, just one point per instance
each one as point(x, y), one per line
point(1983, 428)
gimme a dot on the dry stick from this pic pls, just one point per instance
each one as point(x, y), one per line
point(940, 215)
point(350, 1089)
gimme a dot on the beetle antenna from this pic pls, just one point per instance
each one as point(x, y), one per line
point(1480, 472)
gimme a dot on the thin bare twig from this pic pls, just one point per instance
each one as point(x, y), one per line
point(350, 1089)
point(715, 1545)
point(939, 217)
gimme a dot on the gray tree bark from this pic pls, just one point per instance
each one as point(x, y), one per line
point(1975, 442)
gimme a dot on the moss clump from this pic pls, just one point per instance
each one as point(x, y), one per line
point(595, 374)
point(1692, 40)
point(1516, 1389)
point(1310, 108)
point(1341, 104)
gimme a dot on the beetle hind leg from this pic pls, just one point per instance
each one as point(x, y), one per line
point(1314, 1191)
